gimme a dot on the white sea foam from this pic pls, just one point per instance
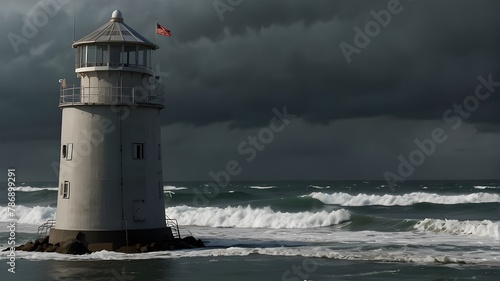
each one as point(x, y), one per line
point(29, 215)
point(484, 228)
point(307, 252)
point(248, 217)
point(346, 199)
point(33, 189)
point(171, 188)
point(485, 187)
point(319, 187)
point(262, 187)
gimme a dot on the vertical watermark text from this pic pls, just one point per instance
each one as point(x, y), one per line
point(11, 197)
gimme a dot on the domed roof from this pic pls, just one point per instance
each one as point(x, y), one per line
point(115, 31)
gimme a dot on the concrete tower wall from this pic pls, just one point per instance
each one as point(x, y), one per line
point(97, 170)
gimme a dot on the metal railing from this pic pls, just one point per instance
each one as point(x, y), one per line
point(44, 228)
point(174, 226)
point(112, 64)
point(113, 95)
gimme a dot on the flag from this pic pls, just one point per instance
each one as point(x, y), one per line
point(162, 30)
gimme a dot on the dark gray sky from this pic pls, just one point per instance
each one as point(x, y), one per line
point(226, 76)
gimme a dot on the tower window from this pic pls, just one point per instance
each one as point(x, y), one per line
point(138, 151)
point(65, 191)
point(69, 152)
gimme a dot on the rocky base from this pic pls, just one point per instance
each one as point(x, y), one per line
point(76, 247)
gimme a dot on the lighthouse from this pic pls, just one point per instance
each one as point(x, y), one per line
point(110, 180)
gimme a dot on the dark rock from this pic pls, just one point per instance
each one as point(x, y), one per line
point(52, 248)
point(43, 240)
point(138, 247)
point(72, 247)
point(145, 249)
point(28, 247)
point(190, 240)
point(193, 242)
point(39, 248)
point(199, 243)
point(181, 244)
point(128, 250)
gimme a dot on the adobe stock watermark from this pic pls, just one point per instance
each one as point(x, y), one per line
point(302, 271)
point(373, 28)
point(455, 117)
point(36, 19)
point(11, 210)
point(248, 149)
point(223, 6)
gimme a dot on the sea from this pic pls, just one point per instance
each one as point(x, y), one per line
point(290, 231)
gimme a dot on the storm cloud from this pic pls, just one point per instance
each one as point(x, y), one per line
point(224, 77)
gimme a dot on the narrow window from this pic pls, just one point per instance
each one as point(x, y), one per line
point(69, 153)
point(64, 151)
point(66, 190)
point(138, 151)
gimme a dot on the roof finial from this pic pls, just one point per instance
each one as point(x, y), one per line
point(117, 16)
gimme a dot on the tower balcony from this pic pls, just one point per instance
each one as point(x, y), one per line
point(109, 95)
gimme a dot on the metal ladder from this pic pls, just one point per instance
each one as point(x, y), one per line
point(172, 223)
point(44, 228)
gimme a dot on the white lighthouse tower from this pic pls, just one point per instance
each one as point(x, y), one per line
point(110, 182)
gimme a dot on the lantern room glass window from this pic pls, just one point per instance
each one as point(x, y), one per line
point(113, 55)
point(102, 55)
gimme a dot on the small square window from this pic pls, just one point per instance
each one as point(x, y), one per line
point(138, 151)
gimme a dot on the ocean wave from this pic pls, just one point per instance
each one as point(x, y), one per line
point(485, 187)
point(29, 215)
point(305, 252)
point(240, 217)
point(33, 189)
point(319, 187)
point(346, 199)
point(485, 228)
point(261, 187)
point(171, 188)
point(248, 217)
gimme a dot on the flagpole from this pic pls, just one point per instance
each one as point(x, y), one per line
point(154, 53)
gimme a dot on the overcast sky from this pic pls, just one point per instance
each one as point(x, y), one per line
point(230, 63)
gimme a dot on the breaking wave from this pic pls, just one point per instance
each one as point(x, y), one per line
point(248, 217)
point(345, 199)
point(485, 228)
point(485, 187)
point(33, 189)
point(171, 188)
point(261, 187)
point(29, 215)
